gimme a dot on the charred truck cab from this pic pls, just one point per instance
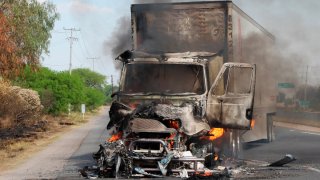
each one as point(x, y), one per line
point(172, 107)
point(184, 93)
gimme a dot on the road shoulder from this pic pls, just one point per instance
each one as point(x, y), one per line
point(49, 162)
point(296, 126)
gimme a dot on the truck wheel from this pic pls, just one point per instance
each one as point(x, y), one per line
point(232, 146)
point(235, 143)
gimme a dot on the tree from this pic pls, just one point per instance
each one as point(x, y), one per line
point(56, 89)
point(312, 95)
point(27, 24)
point(97, 90)
point(95, 98)
point(8, 59)
point(90, 78)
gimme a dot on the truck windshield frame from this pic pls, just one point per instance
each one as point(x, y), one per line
point(145, 78)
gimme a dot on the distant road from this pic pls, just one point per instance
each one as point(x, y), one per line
point(64, 156)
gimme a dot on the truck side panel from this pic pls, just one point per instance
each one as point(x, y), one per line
point(250, 44)
point(187, 27)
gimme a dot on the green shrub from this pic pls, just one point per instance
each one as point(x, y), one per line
point(95, 98)
point(58, 89)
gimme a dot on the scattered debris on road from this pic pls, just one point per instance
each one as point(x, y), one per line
point(287, 159)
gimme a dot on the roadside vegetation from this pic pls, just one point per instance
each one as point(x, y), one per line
point(59, 90)
point(302, 98)
point(36, 102)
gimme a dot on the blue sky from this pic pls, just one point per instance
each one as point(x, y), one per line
point(295, 24)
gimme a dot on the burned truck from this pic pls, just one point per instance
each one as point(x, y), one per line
point(189, 91)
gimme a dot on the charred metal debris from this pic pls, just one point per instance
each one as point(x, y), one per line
point(152, 140)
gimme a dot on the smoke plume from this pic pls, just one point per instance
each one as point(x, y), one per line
point(121, 39)
point(166, 1)
point(274, 65)
point(295, 25)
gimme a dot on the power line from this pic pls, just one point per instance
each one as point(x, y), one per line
point(93, 58)
point(111, 84)
point(83, 51)
point(71, 39)
point(58, 32)
point(305, 87)
point(85, 46)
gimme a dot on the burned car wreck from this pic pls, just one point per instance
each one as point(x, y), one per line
point(160, 124)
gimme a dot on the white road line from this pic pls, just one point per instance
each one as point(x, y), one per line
point(297, 127)
point(313, 169)
point(311, 133)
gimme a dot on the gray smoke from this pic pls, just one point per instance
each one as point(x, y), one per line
point(295, 25)
point(121, 40)
point(151, 1)
point(274, 65)
point(167, 1)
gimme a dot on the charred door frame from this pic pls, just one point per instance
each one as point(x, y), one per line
point(215, 103)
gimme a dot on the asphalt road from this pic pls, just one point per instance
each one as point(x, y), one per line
point(65, 156)
point(83, 155)
point(304, 145)
point(74, 151)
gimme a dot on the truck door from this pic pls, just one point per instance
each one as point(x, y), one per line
point(230, 99)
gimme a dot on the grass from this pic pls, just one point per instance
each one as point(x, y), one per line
point(14, 151)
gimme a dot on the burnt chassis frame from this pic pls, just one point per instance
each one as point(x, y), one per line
point(174, 160)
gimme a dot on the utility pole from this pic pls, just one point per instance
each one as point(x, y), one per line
point(93, 58)
point(111, 84)
point(71, 39)
point(305, 88)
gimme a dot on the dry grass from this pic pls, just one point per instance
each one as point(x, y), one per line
point(21, 106)
point(18, 150)
point(15, 150)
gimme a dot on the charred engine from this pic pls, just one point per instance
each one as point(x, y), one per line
point(156, 140)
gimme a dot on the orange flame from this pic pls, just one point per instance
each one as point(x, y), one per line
point(174, 124)
point(115, 137)
point(172, 135)
point(205, 173)
point(253, 122)
point(216, 157)
point(170, 140)
point(133, 105)
point(214, 134)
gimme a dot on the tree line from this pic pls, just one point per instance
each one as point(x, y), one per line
point(59, 89)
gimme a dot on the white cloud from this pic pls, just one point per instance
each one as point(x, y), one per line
point(80, 7)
